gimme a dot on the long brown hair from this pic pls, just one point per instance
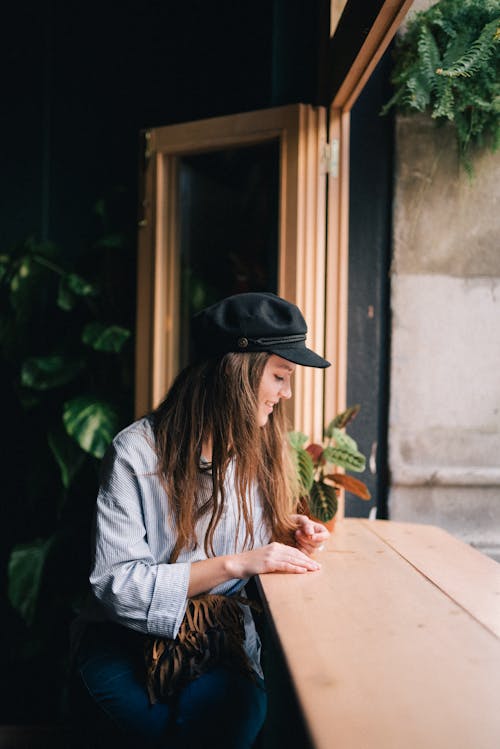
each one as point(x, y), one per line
point(216, 401)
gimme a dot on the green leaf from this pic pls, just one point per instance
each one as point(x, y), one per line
point(4, 266)
point(72, 286)
point(92, 423)
point(25, 569)
point(21, 280)
point(23, 272)
point(105, 338)
point(343, 440)
point(45, 372)
point(68, 455)
point(429, 56)
point(342, 420)
point(297, 439)
point(323, 501)
point(477, 55)
point(305, 469)
point(340, 456)
point(79, 285)
point(66, 299)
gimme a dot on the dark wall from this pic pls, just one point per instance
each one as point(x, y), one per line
point(86, 77)
point(82, 79)
point(369, 260)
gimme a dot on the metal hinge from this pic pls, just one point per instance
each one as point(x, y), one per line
point(147, 145)
point(142, 220)
point(329, 162)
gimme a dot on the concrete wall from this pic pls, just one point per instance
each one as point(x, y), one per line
point(444, 430)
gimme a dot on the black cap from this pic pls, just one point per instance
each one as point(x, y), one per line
point(257, 321)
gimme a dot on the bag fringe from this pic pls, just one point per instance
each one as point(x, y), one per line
point(212, 633)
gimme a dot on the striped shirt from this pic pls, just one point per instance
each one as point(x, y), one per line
point(132, 581)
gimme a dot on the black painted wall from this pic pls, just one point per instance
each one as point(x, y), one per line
point(371, 170)
point(82, 79)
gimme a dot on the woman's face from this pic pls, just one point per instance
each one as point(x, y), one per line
point(274, 385)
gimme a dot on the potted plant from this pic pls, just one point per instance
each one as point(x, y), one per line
point(318, 474)
point(67, 376)
point(447, 64)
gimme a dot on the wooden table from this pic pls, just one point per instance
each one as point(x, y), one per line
point(395, 643)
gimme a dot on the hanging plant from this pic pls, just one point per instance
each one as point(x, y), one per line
point(447, 63)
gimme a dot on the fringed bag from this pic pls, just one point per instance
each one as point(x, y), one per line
point(212, 633)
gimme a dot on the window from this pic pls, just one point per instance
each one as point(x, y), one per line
point(232, 204)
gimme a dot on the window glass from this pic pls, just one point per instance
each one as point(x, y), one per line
point(228, 223)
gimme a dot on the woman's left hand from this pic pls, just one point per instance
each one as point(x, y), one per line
point(310, 535)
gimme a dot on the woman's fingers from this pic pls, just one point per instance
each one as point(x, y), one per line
point(309, 548)
point(312, 529)
point(305, 524)
point(282, 558)
point(275, 557)
point(311, 543)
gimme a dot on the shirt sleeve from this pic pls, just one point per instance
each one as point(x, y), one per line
point(135, 588)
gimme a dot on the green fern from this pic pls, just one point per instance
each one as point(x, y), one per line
point(477, 56)
point(430, 58)
point(448, 64)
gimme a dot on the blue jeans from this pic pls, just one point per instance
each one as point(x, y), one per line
point(223, 708)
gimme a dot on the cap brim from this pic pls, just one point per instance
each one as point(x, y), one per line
point(303, 356)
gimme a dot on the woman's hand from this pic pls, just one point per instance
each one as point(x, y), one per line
point(274, 557)
point(310, 535)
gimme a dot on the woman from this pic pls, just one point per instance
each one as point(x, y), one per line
point(195, 499)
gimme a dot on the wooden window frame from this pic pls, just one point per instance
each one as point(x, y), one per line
point(343, 97)
point(301, 132)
